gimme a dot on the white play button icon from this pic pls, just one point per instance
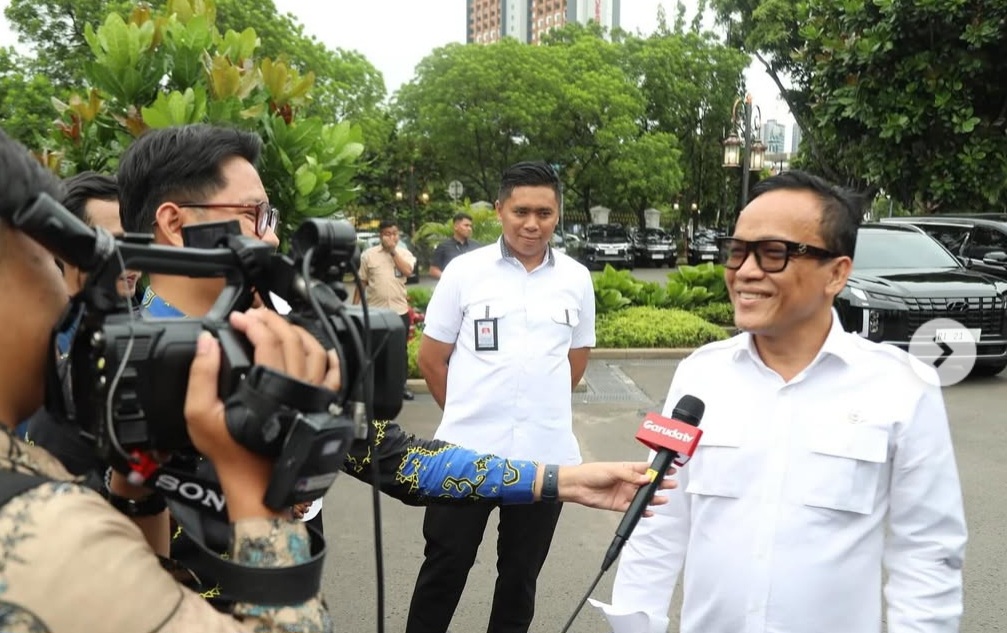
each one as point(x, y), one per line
point(947, 346)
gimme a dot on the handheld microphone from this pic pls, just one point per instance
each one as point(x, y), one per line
point(671, 439)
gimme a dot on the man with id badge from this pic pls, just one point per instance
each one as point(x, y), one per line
point(507, 334)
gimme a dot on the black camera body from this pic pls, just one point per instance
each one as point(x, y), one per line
point(124, 381)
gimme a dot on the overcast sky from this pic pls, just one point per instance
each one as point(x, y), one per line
point(395, 35)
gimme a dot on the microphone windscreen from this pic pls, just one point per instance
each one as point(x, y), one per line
point(689, 409)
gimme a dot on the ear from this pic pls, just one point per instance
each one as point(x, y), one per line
point(839, 273)
point(168, 222)
point(499, 209)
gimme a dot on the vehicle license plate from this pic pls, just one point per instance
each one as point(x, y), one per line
point(956, 335)
point(708, 255)
point(611, 251)
point(658, 255)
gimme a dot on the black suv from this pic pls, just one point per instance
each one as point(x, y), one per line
point(703, 247)
point(979, 240)
point(902, 279)
point(654, 246)
point(606, 244)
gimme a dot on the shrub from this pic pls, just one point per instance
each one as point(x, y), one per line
point(642, 326)
point(419, 297)
point(614, 289)
point(709, 276)
point(721, 313)
point(413, 370)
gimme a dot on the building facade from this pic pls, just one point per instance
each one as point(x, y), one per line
point(528, 20)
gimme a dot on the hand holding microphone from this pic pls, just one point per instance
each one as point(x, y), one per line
point(672, 438)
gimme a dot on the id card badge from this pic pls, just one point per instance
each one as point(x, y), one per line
point(486, 333)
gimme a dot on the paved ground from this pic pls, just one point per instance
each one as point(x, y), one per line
point(606, 417)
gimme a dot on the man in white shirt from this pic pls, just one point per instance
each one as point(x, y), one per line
point(825, 458)
point(506, 336)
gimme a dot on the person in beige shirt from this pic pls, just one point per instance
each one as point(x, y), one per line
point(383, 272)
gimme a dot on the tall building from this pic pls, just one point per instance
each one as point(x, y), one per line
point(774, 136)
point(528, 20)
point(795, 138)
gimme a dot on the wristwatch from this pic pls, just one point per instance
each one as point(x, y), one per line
point(150, 505)
point(550, 484)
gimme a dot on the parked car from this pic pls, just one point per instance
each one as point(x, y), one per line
point(606, 244)
point(979, 240)
point(654, 246)
point(366, 240)
point(902, 278)
point(703, 247)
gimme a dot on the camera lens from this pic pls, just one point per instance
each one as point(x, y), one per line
point(334, 241)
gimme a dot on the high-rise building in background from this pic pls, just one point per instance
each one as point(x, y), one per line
point(795, 138)
point(774, 136)
point(528, 20)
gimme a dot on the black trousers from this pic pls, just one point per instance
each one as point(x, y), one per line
point(406, 321)
point(453, 535)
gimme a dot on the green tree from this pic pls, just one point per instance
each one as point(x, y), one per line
point(690, 80)
point(174, 67)
point(25, 99)
point(907, 97)
point(347, 85)
point(480, 107)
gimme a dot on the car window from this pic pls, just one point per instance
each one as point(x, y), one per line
point(986, 240)
point(900, 249)
point(953, 237)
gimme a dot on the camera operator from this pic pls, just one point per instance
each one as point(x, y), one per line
point(69, 562)
point(94, 198)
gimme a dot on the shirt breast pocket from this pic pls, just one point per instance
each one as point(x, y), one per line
point(569, 317)
point(843, 464)
point(720, 466)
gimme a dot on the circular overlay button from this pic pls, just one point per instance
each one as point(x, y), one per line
point(947, 346)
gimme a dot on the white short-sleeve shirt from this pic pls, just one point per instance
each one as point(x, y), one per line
point(508, 384)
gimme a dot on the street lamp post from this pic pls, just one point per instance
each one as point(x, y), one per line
point(752, 150)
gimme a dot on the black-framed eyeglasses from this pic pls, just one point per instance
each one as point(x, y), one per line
point(770, 255)
point(266, 216)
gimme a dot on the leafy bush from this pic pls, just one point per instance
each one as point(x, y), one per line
point(419, 297)
point(615, 289)
point(413, 347)
point(708, 276)
point(642, 326)
point(721, 313)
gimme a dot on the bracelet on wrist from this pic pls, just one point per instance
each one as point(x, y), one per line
point(150, 505)
point(550, 484)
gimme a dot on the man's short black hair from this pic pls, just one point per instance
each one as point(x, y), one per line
point(176, 163)
point(387, 223)
point(88, 185)
point(22, 179)
point(528, 174)
point(461, 216)
point(842, 210)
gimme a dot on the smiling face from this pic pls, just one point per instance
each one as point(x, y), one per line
point(528, 217)
point(799, 298)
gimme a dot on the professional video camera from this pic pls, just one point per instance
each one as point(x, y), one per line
point(127, 376)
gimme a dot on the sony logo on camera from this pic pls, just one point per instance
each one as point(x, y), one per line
point(191, 491)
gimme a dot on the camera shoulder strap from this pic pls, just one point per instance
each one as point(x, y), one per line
point(13, 483)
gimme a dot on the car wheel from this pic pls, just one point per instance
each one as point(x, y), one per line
point(986, 370)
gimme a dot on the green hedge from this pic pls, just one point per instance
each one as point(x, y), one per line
point(644, 326)
point(414, 348)
point(721, 313)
